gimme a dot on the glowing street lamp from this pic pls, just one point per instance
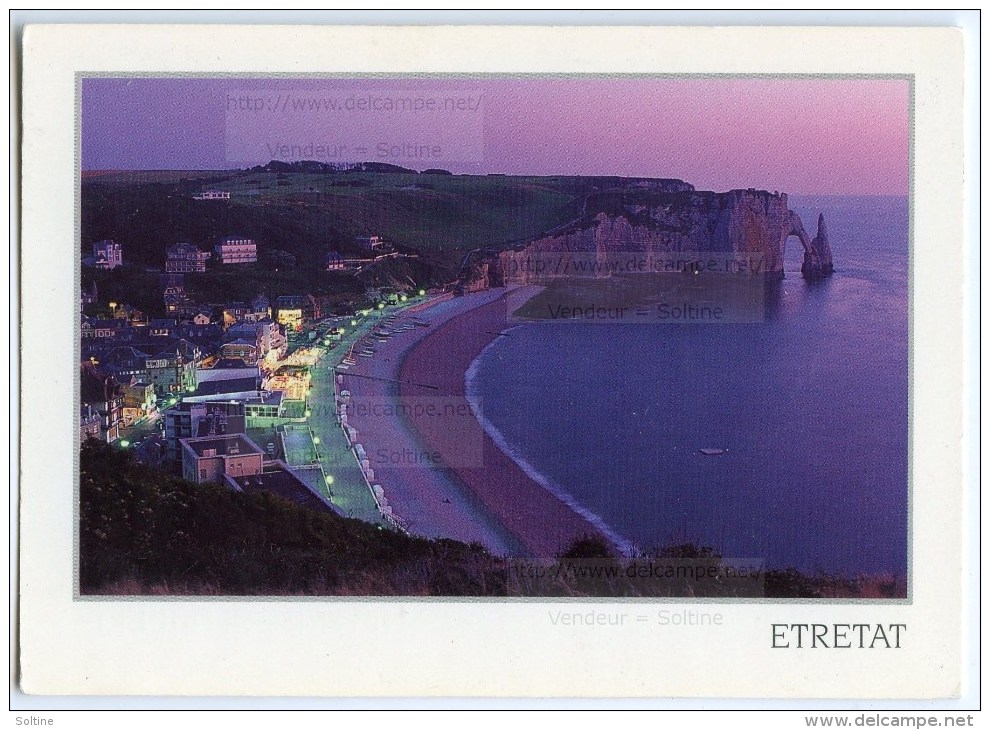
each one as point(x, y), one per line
point(422, 292)
point(329, 479)
point(316, 440)
point(124, 444)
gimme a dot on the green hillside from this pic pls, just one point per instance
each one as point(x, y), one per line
point(144, 532)
point(307, 214)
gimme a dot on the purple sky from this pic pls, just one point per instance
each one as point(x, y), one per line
point(801, 136)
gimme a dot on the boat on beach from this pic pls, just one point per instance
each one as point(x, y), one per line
point(710, 451)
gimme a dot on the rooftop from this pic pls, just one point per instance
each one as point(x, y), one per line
point(292, 300)
point(233, 363)
point(277, 479)
point(233, 385)
point(228, 445)
point(292, 370)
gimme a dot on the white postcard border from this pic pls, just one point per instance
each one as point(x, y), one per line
point(406, 648)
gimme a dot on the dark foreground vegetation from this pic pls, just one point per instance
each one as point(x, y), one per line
point(144, 532)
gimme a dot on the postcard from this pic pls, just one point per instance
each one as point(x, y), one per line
point(555, 372)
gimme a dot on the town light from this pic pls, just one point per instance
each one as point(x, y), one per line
point(381, 305)
point(308, 413)
point(316, 440)
point(329, 479)
point(124, 444)
point(404, 297)
point(353, 323)
point(422, 292)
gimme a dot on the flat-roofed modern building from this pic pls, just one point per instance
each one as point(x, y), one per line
point(211, 458)
point(190, 419)
point(235, 250)
point(277, 478)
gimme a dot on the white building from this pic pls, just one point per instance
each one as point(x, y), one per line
point(371, 243)
point(213, 195)
point(233, 250)
point(107, 255)
point(210, 458)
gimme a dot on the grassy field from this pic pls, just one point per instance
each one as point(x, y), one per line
point(307, 214)
point(297, 217)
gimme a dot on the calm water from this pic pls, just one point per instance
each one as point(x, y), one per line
point(811, 405)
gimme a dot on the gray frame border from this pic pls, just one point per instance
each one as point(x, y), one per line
point(489, 600)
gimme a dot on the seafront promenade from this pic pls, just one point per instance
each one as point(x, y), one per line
point(426, 498)
point(409, 450)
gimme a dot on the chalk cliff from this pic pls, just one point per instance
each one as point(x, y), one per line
point(675, 221)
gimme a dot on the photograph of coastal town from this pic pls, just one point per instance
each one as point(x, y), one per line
point(494, 336)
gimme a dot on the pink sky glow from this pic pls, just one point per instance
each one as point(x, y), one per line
point(801, 136)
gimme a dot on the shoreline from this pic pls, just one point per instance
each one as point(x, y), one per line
point(620, 543)
point(427, 501)
point(543, 522)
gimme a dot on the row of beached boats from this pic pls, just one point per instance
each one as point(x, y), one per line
point(389, 327)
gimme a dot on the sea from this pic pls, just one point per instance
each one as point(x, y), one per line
point(808, 407)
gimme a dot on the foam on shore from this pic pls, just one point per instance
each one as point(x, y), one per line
point(473, 395)
point(542, 517)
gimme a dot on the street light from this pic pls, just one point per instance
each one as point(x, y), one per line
point(422, 292)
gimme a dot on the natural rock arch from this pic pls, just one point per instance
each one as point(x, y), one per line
point(817, 262)
point(794, 227)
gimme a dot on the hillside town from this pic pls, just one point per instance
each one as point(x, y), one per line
point(220, 391)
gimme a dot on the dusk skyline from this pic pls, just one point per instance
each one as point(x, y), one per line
point(800, 136)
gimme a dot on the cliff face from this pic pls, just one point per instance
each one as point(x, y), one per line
point(687, 221)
